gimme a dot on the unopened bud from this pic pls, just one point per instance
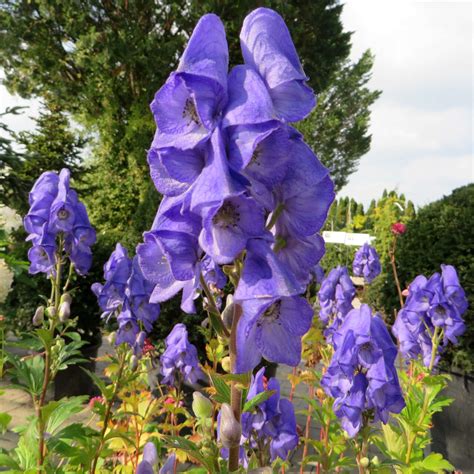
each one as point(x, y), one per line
point(364, 462)
point(51, 311)
point(375, 461)
point(225, 363)
point(111, 338)
point(64, 311)
point(202, 406)
point(230, 429)
point(66, 297)
point(38, 318)
point(134, 362)
point(228, 313)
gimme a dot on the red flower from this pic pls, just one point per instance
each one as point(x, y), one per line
point(398, 228)
point(94, 400)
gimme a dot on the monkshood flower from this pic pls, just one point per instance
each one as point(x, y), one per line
point(362, 374)
point(117, 269)
point(238, 183)
point(273, 421)
point(126, 294)
point(56, 210)
point(267, 47)
point(366, 263)
point(272, 328)
point(188, 107)
point(180, 359)
point(437, 302)
point(149, 459)
point(335, 299)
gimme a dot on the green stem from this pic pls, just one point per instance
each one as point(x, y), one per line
point(275, 215)
point(395, 272)
point(213, 312)
point(435, 340)
point(235, 393)
point(108, 412)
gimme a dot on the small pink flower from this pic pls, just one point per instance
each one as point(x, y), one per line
point(398, 228)
point(100, 400)
point(405, 292)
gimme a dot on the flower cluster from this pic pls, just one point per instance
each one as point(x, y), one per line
point(55, 210)
point(437, 302)
point(126, 294)
point(274, 422)
point(272, 427)
point(335, 299)
point(366, 263)
point(238, 182)
point(180, 359)
point(362, 374)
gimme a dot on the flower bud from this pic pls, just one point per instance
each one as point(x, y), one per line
point(228, 313)
point(111, 338)
point(66, 297)
point(38, 318)
point(230, 429)
point(51, 311)
point(375, 461)
point(364, 462)
point(202, 406)
point(225, 363)
point(134, 362)
point(64, 311)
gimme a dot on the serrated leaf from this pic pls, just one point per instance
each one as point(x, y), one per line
point(222, 394)
point(57, 412)
point(7, 461)
point(435, 462)
point(189, 448)
point(258, 399)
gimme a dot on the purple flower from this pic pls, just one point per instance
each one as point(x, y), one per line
point(366, 263)
point(149, 459)
point(264, 275)
point(55, 209)
point(227, 228)
point(272, 328)
point(180, 357)
point(362, 374)
point(267, 47)
point(117, 271)
point(126, 293)
point(273, 420)
point(138, 293)
point(335, 298)
point(438, 302)
point(188, 106)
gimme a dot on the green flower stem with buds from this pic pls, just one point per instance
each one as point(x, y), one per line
point(435, 340)
point(54, 302)
point(108, 411)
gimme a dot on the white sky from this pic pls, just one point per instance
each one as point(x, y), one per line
point(422, 134)
point(422, 127)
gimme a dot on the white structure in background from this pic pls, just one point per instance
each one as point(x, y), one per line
point(347, 238)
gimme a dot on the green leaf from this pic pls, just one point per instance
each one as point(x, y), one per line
point(7, 461)
point(258, 399)
point(222, 389)
point(191, 449)
point(5, 419)
point(435, 462)
point(55, 413)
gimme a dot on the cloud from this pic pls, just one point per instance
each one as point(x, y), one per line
point(422, 124)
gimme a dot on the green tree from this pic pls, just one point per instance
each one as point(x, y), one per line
point(337, 129)
point(104, 60)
